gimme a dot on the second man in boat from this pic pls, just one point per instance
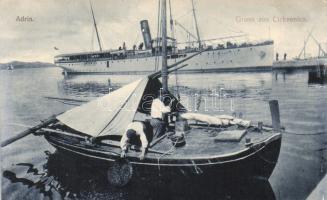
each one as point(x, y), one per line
point(136, 131)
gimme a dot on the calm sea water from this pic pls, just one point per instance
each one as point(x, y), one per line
point(32, 169)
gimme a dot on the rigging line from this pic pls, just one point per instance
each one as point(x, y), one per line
point(183, 14)
point(220, 38)
point(229, 26)
point(172, 34)
point(95, 26)
point(185, 29)
point(170, 151)
point(196, 25)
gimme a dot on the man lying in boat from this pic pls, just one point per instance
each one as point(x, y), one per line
point(134, 133)
point(137, 131)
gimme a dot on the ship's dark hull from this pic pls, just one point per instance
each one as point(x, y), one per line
point(257, 161)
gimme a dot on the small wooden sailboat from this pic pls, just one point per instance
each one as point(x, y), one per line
point(94, 129)
point(226, 150)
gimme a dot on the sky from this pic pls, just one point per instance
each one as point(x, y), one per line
point(67, 24)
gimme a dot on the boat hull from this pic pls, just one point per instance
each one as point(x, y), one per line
point(256, 161)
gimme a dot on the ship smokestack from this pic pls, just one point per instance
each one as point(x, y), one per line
point(146, 34)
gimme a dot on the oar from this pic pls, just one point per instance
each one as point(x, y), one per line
point(29, 131)
point(66, 99)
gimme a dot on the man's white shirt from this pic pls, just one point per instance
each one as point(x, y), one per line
point(139, 129)
point(158, 108)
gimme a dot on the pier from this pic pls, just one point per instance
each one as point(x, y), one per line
point(316, 73)
point(302, 61)
point(307, 63)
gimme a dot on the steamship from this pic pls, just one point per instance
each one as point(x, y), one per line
point(144, 58)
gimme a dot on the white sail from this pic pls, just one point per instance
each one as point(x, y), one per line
point(109, 114)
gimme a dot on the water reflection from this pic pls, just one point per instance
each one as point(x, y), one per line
point(232, 89)
point(76, 179)
point(92, 85)
point(86, 89)
point(317, 77)
point(303, 111)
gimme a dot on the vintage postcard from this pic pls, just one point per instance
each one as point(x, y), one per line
point(163, 99)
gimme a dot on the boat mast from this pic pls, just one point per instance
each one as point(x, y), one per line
point(172, 26)
point(196, 25)
point(95, 26)
point(164, 70)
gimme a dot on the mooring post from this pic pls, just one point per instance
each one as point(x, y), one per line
point(274, 110)
point(109, 82)
point(318, 71)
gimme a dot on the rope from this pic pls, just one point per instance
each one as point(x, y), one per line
point(184, 14)
point(171, 150)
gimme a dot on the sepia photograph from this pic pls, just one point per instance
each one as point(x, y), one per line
point(163, 99)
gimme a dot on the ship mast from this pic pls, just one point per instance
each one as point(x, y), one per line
point(196, 25)
point(95, 26)
point(164, 70)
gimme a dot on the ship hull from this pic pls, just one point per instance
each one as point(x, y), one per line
point(252, 58)
point(256, 161)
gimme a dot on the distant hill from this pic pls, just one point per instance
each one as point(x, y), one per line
point(21, 65)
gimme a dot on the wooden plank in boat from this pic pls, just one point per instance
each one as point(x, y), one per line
point(230, 136)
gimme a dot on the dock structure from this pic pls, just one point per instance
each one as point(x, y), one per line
point(307, 63)
point(302, 61)
point(320, 192)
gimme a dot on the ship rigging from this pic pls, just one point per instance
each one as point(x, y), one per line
point(142, 58)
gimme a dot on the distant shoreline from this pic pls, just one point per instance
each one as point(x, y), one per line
point(25, 65)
